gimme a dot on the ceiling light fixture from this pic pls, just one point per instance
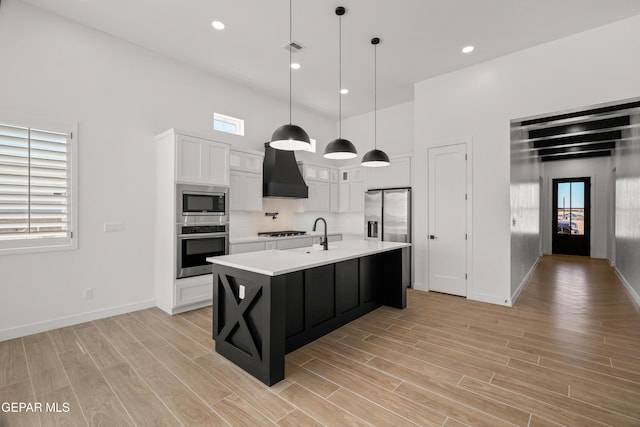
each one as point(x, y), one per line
point(468, 49)
point(217, 25)
point(340, 148)
point(375, 158)
point(290, 137)
point(344, 91)
point(295, 65)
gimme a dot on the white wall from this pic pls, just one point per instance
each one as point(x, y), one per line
point(589, 68)
point(121, 95)
point(599, 170)
point(627, 221)
point(395, 131)
point(525, 212)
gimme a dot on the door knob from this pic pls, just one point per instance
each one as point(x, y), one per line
point(431, 236)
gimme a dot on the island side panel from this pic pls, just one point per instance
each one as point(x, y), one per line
point(250, 331)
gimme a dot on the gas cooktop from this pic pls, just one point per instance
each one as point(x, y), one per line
point(282, 233)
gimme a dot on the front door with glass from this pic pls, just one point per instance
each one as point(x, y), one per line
point(571, 216)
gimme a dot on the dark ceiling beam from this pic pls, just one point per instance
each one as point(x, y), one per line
point(577, 114)
point(584, 155)
point(578, 139)
point(616, 122)
point(579, 148)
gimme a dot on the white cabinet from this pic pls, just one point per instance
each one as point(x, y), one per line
point(319, 197)
point(397, 174)
point(333, 197)
point(352, 187)
point(323, 188)
point(303, 242)
point(182, 157)
point(240, 248)
point(201, 161)
point(245, 187)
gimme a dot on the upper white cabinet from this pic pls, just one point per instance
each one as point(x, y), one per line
point(352, 187)
point(245, 189)
point(201, 161)
point(397, 174)
point(323, 187)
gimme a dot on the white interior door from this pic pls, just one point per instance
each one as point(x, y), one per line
point(448, 219)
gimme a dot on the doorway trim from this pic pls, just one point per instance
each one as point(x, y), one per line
point(468, 142)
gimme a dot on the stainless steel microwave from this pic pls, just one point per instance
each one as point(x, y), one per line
point(201, 204)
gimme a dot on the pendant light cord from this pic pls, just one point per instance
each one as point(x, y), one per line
point(290, 56)
point(375, 96)
point(340, 76)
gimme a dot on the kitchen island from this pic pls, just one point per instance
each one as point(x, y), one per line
point(269, 303)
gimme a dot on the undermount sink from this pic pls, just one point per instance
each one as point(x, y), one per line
point(314, 248)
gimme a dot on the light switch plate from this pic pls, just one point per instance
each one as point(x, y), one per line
point(113, 227)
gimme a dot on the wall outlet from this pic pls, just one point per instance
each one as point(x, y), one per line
point(113, 227)
point(241, 292)
point(88, 293)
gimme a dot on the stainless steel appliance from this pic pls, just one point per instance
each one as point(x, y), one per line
point(387, 216)
point(282, 233)
point(199, 204)
point(197, 242)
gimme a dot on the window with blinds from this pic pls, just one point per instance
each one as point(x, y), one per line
point(35, 187)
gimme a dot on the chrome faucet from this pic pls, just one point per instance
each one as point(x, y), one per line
point(325, 242)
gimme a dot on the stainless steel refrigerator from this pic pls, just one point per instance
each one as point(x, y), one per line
point(387, 216)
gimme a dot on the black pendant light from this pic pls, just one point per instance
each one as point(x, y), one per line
point(290, 137)
point(340, 148)
point(375, 158)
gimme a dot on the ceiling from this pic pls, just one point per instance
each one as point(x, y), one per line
point(593, 132)
point(420, 39)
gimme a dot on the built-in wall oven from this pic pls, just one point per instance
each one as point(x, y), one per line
point(195, 244)
point(202, 228)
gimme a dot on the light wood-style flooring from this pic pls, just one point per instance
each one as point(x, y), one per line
point(567, 353)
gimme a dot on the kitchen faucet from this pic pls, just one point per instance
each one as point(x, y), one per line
point(325, 242)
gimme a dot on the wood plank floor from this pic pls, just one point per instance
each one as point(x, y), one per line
point(567, 353)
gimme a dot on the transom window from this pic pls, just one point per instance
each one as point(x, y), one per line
point(37, 176)
point(228, 124)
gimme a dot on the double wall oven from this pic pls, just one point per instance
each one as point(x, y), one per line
point(202, 228)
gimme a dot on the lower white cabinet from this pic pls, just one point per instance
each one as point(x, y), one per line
point(294, 243)
point(291, 243)
point(245, 191)
point(240, 248)
point(192, 293)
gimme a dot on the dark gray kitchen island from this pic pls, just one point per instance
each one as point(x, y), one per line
point(269, 303)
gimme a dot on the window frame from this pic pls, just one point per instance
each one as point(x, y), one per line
point(239, 123)
point(49, 244)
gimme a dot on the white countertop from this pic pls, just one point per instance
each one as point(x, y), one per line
point(274, 262)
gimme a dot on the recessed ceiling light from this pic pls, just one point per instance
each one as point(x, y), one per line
point(295, 65)
point(344, 91)
point(467, 49)
point(217, 25)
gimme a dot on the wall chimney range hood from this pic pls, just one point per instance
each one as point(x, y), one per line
point(281, 176)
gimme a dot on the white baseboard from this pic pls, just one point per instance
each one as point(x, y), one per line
point(632, 292)
point(61, 322)
point(492, 299)
point(524, 281)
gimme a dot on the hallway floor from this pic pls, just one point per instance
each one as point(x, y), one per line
point(567, 353)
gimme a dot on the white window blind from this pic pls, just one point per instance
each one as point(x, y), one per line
point(35, 186)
